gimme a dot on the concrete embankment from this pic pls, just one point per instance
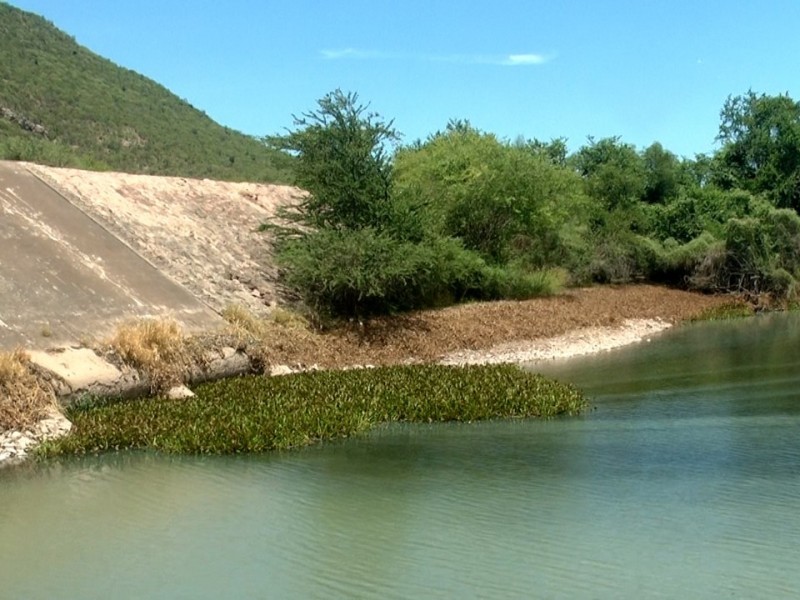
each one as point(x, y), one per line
point(64, 277)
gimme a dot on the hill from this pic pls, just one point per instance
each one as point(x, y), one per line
point(63, 105)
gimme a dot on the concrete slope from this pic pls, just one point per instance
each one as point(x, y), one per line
point(204, 234)
point(64, 278)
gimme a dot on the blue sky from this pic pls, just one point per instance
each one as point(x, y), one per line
point(642, 70)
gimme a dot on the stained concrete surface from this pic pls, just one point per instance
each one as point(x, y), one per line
point(65, 278)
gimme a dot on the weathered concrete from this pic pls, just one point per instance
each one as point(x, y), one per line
point(203, 234)
point(64, 277)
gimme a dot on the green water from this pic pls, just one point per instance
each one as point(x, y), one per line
point(683, 481)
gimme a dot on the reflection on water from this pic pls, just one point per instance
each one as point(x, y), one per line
point(682, 481)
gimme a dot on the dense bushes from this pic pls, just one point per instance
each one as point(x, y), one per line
point(465, 215)
point(505, 202)
point(367, 241)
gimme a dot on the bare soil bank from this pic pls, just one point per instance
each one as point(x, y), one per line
point(591, 314)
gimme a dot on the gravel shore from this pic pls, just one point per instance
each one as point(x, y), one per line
point(588, 340)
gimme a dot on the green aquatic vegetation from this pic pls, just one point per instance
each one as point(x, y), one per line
point(723, 312)
point(257, 414)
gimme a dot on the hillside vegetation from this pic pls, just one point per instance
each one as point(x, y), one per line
point(63, 105)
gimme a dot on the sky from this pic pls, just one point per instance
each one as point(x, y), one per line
point(644, 70)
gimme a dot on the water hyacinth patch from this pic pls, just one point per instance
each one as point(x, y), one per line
point(257, 414)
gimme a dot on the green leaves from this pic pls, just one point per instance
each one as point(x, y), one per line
point(761, 137)
point(257, 414)
point(343, 163)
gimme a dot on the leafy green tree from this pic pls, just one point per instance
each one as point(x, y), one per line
point(761, 146)
point(614, 172)
point(555, 150)
point(344, 164)
point(663, 175)
point(504, 201)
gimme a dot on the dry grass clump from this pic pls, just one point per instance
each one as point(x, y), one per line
point(242, 320)
point(155, 347)
point(23, 400)
point(283, 337)
point(288, 318)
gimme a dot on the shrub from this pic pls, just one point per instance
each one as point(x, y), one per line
point(780, 284)
point(516, 283)
point(363, 272)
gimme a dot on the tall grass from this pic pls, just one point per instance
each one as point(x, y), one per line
point(256, 414)
point(157, 348)
point(23, 400)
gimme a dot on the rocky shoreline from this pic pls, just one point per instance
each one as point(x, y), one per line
point(15, 445)
point(580, 342)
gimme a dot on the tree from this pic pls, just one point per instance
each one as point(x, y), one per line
point(505, 201)
point(353, 247)
point(761, 146)
point(614, 172)
point(662, 174)
point(343, 162)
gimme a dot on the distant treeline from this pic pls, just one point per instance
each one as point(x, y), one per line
point(465, 215)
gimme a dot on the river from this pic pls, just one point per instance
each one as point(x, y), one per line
point(681, 481)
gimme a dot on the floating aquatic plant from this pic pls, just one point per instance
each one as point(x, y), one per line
point(256, 413)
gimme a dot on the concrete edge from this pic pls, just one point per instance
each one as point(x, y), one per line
point(74, 373)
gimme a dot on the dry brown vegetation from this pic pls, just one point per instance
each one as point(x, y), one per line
point(427, 336)
point(156, 348)
point(23, 399)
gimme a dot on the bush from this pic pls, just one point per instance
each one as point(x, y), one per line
point(704, 210)
point(756, 255)
point(780, 284)
point(680, 263)
point(364, 272)
point(504, 201)
point(516, 283)
point(157, 348)
point(621, 257)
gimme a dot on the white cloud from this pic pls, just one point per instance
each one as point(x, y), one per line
point(510, 60)
point(525, 59)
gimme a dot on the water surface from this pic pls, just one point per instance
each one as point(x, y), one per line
point(683, 480)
